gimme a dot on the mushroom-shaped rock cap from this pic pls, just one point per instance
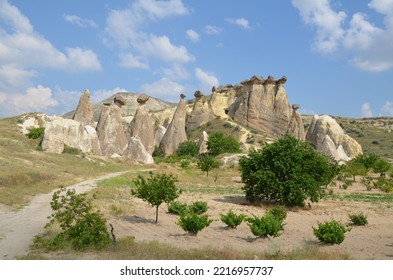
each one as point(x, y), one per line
point(270, 80)
point(282, 80)
point(214, 88)
point(182, 96)
point(198, 94)
point(86, 92)
point(295, 106)
point(107, 103)
point(142, 99)
point(119, 101)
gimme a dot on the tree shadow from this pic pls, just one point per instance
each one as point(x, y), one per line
point(138, 220)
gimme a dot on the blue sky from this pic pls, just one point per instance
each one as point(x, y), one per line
point(337, 55)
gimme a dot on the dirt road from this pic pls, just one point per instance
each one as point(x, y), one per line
point(17, 229)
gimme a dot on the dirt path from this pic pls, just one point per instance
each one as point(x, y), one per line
point(17, 229)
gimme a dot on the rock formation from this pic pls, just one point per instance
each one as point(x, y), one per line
point(84, 111)
point(222, 97)
point(60, 132)
point(201, 113)
point(176, 132)
point(296, 127)
point(136, 151)
point(262, 105)
point(110, 129)
point(142, 125)
point(203, 142)
point(158, 135)
point(327, 136)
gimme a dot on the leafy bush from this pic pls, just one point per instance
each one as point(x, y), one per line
point(185, 163)
point(354, 167)
point(381, 166)
point(231, 219)
point(188, 148)
point(158, 152)
point(265, 226)
point(358, 219)
point(198, 207)
point(194, 223)
point(177, 208)
point(81, 226)
point(331, 232)
point(278, 212)
point(384, 184)
point(156, 189)
point(70, 150)
point(219, 143)
point(206, 163)
point(35, 133)
point(288, 171)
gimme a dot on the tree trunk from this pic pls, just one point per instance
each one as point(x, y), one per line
point(157, 214)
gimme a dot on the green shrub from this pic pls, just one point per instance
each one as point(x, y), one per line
point(231, 219)
point(278, 212)
point(156, 189)
point(331, 232)
point(288, 172)
point(206, 163)
point(81, 226)
point(35, 133)
point(198, 207)
point(185, 163)
point(188, 148)
point(158, 152)
point(219, 143)
point(177, 208)
point(384, 184)
point(265, 226)
point(358, 219)
point(193, 223)
point(381, 166)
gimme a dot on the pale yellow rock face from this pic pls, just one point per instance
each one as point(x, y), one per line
point(176, 132)
point(84, 111)
point(221, 99)
point(60, 132)
point(136, 151)
point(296, 127)
point(202, 143)
point(142, 126)
point(200, 114)
point(339, 145)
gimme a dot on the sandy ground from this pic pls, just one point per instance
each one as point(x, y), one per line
point(17, 229)
point(373, 241)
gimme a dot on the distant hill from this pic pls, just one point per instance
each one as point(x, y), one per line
point(154, 104)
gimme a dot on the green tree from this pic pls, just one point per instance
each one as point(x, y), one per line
point(354, 167)
point(219, 143)
point(207, 163)
point(156, 189)
point(287, 171)
point(381, 166)
point(188, 148)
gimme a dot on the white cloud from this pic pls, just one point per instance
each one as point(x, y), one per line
point(176, 72)
point(370, 46)
point(130, 61)
point(207, 80)
point(192, 35)
point(82, 60)
point(126, 27)
point(242, 22)
point(81, 22)
point(366, 111)
point(3, 96)
point(12, 77)
point(164, 88)
point(213, 30)
point(388, 108)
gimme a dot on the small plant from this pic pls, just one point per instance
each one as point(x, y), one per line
point(194, 223)
point(331, 232)
point(367, 180)
point(35, 133)
point(206, 163)
point(185, 163)
point(70, 150)
point(278, 212)
point(231, 219)
point(156, 189)
point(384, 184)
point(188, 148)
point(358, 219)
point(198, 207)
point(265, 226)
point(158, 152)
point(177, 208)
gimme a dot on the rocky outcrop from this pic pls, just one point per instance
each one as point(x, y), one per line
point(222, 97)
point(84, 111)
point(110, 130)
point(176, 132)
point(200, 114)
point(262, 105)
point(136, 151)
point(158, 135)
point(202, 143)
point(327, 136)
point(32, 120)
point(296, 127)
point(60, 132)
point(142, 125)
